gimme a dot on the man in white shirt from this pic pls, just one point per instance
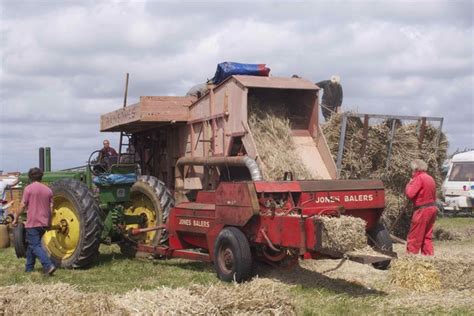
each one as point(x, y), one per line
point(6, 182)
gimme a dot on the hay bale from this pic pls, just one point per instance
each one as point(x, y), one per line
point(343, 234)
point(272, 134)
point(413, 274)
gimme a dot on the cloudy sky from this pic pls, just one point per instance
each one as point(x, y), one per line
point(63, 62)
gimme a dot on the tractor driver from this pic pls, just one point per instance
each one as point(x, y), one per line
point(108, 155)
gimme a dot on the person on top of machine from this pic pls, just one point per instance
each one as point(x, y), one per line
point(332, 96)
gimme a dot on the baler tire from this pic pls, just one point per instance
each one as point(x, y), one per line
point(162, 200)
point(90, 223)
point(233, 243)
point(383, 241)
point(19, 240)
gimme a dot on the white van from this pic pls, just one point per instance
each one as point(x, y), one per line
point(458, 187)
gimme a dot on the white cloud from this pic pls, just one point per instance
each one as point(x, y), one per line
point(63, 63)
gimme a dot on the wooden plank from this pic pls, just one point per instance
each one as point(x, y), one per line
point(165, 109)
point(119, 117)
point(276, 82)
point(149, 109)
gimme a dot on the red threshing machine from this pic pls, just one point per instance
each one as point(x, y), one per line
point(224, 211)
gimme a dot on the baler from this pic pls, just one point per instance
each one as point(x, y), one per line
point(202, 195)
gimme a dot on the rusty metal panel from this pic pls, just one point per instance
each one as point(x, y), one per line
point(196, 206)
point(277, 186)
point(275, 82)
point(340, 185)
point(236, 203)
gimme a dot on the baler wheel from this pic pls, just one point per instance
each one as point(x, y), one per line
point(232, 256)
point(151, 199)
point(383, 241)
point(75, 244)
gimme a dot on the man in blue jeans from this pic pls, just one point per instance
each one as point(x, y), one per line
point(38, 198)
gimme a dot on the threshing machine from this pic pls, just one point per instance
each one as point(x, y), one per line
point(200, 193)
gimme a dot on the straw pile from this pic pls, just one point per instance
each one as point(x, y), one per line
point(416, 275)
point(271, 132)
point(457, 272)
point(361, 162)
point(259, 296)
point(421, 273)
point(53, 299)
point(343, 234)
point(440, 233)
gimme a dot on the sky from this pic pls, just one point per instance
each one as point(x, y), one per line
point(63, 63)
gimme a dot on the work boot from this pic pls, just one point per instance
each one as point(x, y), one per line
point(50, 271)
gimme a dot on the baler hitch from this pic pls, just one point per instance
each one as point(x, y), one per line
point(138, 231)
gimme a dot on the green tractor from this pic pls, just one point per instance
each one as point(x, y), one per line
point(101, 204)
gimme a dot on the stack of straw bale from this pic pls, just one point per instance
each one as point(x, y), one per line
point(343, 234)
point(271, 131)
point(371, 162)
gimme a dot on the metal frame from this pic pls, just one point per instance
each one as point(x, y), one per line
point(366, 118)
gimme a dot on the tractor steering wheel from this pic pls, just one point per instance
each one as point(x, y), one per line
point(98, 165)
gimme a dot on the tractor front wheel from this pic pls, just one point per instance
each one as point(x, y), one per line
point(74, 238)
point(232, 256)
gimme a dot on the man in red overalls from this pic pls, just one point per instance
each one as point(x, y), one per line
point(421, 190)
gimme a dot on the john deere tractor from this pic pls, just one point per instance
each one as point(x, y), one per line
point(100, 204)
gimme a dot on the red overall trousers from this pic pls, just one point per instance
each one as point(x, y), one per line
point(421, 190)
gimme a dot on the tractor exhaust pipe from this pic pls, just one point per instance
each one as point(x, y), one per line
point(239, 161)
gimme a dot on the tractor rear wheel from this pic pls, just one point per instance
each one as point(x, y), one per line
point(150, 199)
point(380, 238)
point(232, 256)
point(73, 241)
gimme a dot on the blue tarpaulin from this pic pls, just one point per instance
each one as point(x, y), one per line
point(227, 69)
point(109, 179)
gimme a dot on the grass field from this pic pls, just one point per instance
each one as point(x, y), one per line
point(310, 288)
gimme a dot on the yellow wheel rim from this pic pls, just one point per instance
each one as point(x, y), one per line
point(62, 243)
point(142, 206)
